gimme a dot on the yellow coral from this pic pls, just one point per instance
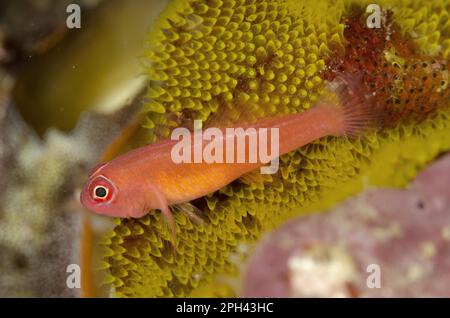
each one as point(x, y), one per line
point(207, 56)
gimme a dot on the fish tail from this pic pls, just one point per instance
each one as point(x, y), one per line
point(356, 105)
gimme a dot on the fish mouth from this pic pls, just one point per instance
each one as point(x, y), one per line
point(86, 201)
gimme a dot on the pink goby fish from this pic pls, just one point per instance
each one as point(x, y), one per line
point(147, 178)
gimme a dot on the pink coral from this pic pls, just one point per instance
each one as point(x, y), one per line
point(405, 234)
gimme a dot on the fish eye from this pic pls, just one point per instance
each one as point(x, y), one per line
point(100, 192)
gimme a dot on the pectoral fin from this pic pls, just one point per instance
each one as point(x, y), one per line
point(168, 217)
point(192, 212)
point(161, 204)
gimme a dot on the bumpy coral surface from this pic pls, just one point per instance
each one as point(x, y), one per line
point(383, 243)
point(209, 58)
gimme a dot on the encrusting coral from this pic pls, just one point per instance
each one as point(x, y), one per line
point(207, 57)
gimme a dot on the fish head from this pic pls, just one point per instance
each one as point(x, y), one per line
point(104, 194)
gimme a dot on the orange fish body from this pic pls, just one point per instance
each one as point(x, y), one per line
point(148, 178)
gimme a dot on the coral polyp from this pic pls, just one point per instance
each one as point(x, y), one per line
point(210, 56)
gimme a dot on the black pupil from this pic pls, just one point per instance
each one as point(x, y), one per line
point(100, 192)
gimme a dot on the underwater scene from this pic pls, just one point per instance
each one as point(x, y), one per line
point(224, 149)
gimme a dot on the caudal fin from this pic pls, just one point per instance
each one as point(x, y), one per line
point(356, 105)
